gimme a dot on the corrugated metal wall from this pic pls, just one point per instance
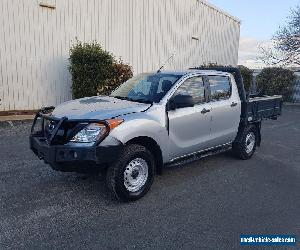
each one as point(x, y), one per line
point(35, 41)
point(296, 89)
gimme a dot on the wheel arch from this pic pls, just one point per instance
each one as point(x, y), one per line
point(153, 147)
point(242, 128)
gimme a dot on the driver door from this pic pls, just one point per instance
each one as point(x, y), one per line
point(189, 127)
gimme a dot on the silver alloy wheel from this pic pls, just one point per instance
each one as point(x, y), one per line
point(250, 142)
point(135, 174)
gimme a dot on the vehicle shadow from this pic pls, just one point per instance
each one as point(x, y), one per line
point(93, 186)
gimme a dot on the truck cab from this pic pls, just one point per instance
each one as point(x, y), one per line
point(151, 121)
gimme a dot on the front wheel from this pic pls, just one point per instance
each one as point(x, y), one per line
point(131, 176)
point(244, 147)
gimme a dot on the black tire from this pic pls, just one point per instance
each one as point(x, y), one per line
point(115, 173)
point(240, 146)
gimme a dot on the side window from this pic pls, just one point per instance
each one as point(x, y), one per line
point(194, 87)
point(220, 87)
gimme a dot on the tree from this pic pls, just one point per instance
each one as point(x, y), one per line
point(276, 81)
point(284, 49)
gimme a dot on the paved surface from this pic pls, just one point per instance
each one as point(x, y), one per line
point(206, 204)
point(8, 118)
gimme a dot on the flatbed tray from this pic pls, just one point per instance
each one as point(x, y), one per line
point(264, 107)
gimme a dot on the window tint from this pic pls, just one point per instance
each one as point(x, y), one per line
point(220, 87)
point(143, 87)
point(165, 84)
point(193, 87)
point(146, 87)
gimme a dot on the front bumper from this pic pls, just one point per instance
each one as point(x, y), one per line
point(73, 157)
point(53, 154)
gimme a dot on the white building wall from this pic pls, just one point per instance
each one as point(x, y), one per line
point(35, 41)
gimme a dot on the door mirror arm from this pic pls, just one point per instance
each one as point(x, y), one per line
point(170, 105)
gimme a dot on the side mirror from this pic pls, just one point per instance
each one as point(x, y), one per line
point(180, 101)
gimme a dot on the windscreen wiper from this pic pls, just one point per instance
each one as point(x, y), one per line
point(119, 97)
point(141, 100)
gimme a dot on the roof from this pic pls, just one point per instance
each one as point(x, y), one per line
point(207, 72)
point(191, 71)
point(210, 5)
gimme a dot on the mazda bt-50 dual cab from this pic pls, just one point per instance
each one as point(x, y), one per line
point(150, 121)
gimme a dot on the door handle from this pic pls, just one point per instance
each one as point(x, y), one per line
point(233, 104)
point(205, 111)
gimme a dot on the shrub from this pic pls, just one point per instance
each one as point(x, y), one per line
point(276, 81)
point(121, 73)
point(95, 71)
point(247, 75)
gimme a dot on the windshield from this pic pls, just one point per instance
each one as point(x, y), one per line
point(146, 88)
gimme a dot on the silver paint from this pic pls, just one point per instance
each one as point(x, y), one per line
point(97, 107)
point(189, 130)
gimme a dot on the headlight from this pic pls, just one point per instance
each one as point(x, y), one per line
point(90, 133)
point(95, 131)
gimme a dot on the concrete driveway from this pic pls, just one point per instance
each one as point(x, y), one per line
point(203, 205)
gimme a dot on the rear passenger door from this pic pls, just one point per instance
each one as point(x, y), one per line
point(225, 109)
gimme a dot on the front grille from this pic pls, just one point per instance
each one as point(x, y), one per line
point(64, 133)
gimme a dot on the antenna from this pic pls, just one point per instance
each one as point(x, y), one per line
point(159, 70)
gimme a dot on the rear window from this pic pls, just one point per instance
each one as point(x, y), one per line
point(220, 87)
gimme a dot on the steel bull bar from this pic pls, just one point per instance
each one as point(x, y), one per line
point(54, 146)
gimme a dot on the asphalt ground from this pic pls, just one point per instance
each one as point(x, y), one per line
point(203, 205)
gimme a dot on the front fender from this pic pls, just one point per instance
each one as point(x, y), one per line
point(137, 127)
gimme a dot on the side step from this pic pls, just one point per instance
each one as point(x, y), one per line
point(197, 156)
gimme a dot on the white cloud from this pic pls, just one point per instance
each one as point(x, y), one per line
point(249, 52)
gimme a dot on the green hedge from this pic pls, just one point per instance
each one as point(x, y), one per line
point(95, 71)
point(276, 81)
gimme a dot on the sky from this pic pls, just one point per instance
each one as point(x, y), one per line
point(260, 19)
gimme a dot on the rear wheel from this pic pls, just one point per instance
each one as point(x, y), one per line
point(245, 145)
point(131, 176)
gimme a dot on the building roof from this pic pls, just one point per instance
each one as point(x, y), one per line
point(210, 5)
